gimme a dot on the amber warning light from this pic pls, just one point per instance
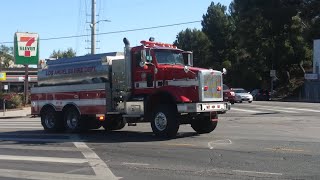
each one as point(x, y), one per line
point(100, 117)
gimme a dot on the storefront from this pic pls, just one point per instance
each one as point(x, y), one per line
point(14, 80)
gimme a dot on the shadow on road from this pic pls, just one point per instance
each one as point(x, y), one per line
point(34, 137)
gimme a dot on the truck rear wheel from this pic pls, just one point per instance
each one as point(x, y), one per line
point(51, 120)
point(204, 124)
point(164, 121)
point(73, 121)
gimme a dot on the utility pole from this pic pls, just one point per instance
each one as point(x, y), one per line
point(26, 84)
point(93, 27)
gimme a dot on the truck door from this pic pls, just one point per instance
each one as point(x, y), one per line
point(143, 76)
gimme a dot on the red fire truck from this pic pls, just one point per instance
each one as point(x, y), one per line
point(153, 82)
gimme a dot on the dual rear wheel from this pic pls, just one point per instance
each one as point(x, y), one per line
point(69, 120)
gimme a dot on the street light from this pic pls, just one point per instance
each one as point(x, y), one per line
point(93, 34)
point(105, 20)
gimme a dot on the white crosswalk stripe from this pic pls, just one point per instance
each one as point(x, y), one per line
point(20, 123)
point(51, 150)
point(252, 109)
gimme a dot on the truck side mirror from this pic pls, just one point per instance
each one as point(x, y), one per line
point(224, 71)
point(188, 58)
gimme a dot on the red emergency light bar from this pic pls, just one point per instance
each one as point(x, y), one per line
point(152, 43)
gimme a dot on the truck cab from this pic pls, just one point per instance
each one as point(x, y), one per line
point(163, 78)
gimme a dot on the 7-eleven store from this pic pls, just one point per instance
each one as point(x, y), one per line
point(15, 79)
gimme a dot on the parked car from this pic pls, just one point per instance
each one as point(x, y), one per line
point(242, 95)
point(228, 95)
point(261, 95)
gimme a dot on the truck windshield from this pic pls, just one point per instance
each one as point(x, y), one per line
point(169, 57)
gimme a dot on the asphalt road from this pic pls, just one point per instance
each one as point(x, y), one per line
point(262, 140)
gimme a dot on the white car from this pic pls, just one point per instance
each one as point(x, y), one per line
point(242, 95)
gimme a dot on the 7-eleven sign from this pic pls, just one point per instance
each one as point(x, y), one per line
point(26, 48)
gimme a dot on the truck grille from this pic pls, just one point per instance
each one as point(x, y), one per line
point(212, 80)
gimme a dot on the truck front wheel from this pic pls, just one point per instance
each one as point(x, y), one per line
point(204, 124)
point(164, 122)
point(51, 121)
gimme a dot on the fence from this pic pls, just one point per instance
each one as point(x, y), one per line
point(310, 92)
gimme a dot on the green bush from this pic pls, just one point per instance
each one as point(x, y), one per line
point(12, 101)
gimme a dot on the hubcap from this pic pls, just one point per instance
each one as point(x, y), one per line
point(49, 120)
point(160, 121)
point(72, 121)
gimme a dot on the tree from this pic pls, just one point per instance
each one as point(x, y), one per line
point(63, 54)
point(6, 55)
point(197, 42)
point(271, 34)
point(219, 27)
point(256, 36)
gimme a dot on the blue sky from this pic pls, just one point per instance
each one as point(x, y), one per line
point(68, 17)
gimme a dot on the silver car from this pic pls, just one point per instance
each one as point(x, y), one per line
point(242, 95)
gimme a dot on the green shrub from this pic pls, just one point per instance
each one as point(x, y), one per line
point(13, 101)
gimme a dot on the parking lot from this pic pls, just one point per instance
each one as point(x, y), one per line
point(260, 140)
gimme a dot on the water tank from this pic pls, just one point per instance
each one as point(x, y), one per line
point(78, 70)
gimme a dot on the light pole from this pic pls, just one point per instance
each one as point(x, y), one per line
point(93, 26)
point(93, 34)
point(1, 64)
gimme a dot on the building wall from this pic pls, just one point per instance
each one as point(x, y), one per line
point(15, 79)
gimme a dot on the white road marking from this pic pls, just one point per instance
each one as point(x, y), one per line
point(37, 175)
point(257, 172)
point(18, 120)
point(43, 159)
point(34, 139)
point(38, 147)
point(211, 144)
point(66, 135)
point(245, 110)
point(288, 108)
point(19, 124)
point(18, 127)
point(278, 110)
point(135, 164)
point(99, 167)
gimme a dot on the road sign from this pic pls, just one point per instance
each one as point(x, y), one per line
point(26, 48)
point(311, 76)
point(3, 76)
point(272, 73)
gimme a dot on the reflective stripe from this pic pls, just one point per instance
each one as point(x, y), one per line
point(78, 102)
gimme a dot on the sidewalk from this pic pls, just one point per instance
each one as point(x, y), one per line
point(15, 113)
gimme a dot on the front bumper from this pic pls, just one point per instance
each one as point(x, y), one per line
point(244, 98)
point(203, 107)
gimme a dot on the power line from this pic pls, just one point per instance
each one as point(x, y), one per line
point(113, 32)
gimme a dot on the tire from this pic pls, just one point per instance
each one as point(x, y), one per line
point(232, 102)
point(240, 101)
point(204, 124)
point(164, 121)
point(51, 120)
point(114, 124)
point(250, 101)
point(73, 121)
